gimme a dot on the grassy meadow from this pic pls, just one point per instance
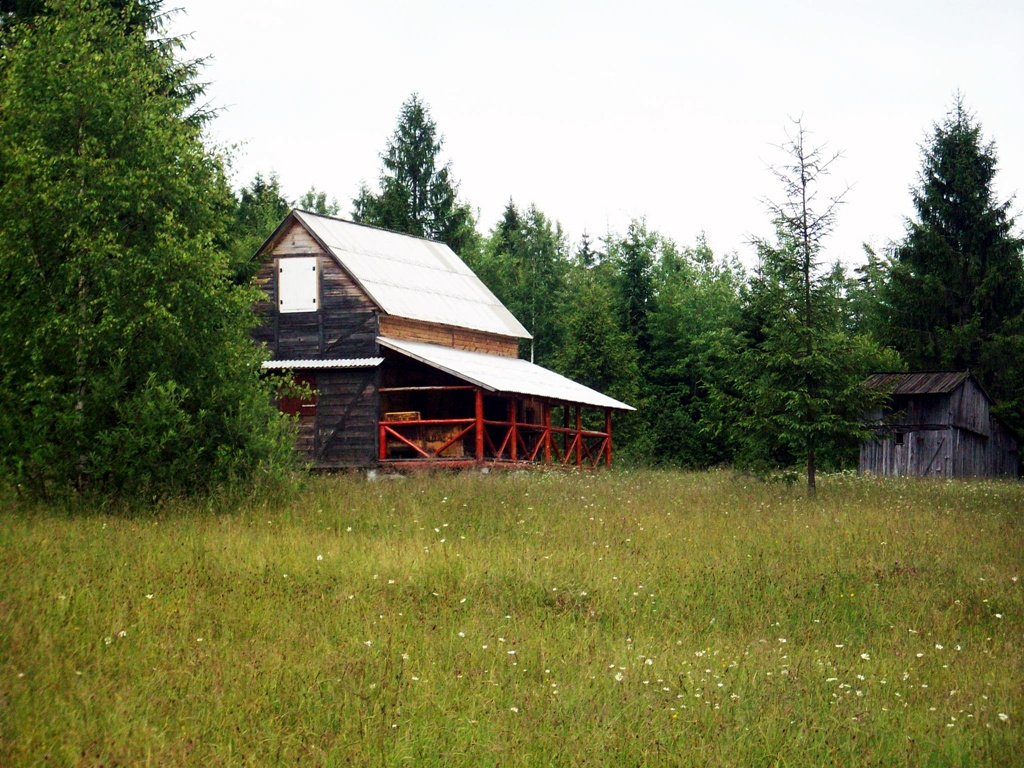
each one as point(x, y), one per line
point(617, 618)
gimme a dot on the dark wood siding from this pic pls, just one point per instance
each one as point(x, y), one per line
point(969, 408)
point(344, 327)
point(1004, 451)
point(909, 454)
point(346, 418)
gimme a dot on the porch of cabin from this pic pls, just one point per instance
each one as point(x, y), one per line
point(431, 418)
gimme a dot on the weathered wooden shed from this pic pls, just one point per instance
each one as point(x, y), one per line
point(413, 361)
point(937, 424)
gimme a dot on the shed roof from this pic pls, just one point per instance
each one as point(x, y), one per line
point(925, 383)
point(503, 374)
point(411, 277)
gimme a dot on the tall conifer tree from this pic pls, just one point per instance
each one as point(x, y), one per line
point(416, 196)
point(798, 385)
point(955, 292)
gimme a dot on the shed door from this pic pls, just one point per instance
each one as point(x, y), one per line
point(295, 405)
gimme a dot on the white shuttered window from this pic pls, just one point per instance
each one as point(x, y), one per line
point(297, 284)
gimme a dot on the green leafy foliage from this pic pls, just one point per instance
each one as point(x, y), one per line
point(260, 208)
point(316, 201)
point(696, 306)
point(525, 263)
point(416, 197)
point(125, 362)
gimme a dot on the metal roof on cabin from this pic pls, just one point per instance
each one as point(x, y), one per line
point(928, 383)
point(412, 277)
point(503, 374)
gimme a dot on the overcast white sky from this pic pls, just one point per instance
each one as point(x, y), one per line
point(602, 111)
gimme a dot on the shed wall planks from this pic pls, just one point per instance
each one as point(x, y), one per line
point(950, 452)
point(950, 433)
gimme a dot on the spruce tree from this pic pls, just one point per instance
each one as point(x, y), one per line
point(260, 207)
point(416, 197)
point(955, 292)
point(796, 389)
point(525, 262)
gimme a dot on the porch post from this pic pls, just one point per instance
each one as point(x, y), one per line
point(608, 431)
point(547, 433)
point(479, 424)
point(513, 437)
point(565, 434)
point(579, 437)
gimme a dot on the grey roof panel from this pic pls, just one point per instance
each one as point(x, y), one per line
point(503, 374)
point(413, 278)
point(926, 383)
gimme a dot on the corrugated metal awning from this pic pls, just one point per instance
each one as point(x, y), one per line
point(412, 277)
point(503, 374)
point(355, 362)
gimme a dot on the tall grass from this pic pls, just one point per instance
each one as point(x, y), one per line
point(606, 619)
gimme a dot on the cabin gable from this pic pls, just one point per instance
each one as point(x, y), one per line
point(343, 326)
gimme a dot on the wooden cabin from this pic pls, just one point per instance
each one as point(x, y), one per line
point(937, 424)
point(412, 361)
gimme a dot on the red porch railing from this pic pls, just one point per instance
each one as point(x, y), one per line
point(500, 441)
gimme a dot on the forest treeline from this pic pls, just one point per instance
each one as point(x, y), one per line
point(757, 366)
point(126, 363)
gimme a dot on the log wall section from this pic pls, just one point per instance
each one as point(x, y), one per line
point(448, 336)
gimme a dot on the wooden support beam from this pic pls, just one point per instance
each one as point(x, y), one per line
point(547, 433)
point(427, 389)
point(608, 429)
point(579, 437)
point(565, 426)
point(479, 424)
point(513, 433)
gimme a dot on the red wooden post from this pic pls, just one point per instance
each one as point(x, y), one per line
point(383, 450)
point(547, 433)
point(479, 424)
point(513, 437)
point(565, 434)
point(579, 437)
point(608, 431)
